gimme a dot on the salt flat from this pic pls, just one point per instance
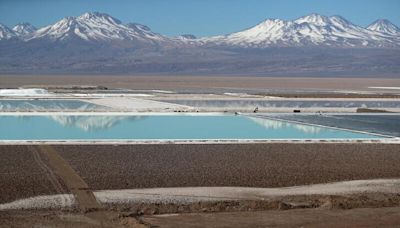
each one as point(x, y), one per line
point(187, 195)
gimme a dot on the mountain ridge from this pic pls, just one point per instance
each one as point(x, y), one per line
point(93, 27)
point(309, 30)
point(97, 43)
point(313, 29)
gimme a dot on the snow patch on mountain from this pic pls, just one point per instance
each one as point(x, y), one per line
point(24, 29)
point(6, 32)
point(145, 32)
point(315, 19)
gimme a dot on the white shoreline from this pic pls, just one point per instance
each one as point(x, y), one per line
point(164, 103)
point(172, 113)
point(185, 97)
point(384, 87)
point(199, 141)
point(114, 113)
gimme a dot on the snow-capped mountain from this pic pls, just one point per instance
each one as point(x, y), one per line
point(311, 30)
point(96, 27)
point(6, 32)
point(99, 43)
point(24, 29)
point(384, 26)
point(188, 40)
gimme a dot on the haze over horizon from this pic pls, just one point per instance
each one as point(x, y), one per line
point(205, 18)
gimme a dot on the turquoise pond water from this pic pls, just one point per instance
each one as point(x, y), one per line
point(163, 127)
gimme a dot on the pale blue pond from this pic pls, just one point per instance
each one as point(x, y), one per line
point(161, 127)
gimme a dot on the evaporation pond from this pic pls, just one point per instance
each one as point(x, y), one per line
point(161, 127)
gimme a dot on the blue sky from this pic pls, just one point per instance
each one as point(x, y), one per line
point(198, 17)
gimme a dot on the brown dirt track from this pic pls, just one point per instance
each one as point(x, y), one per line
point(86, 200)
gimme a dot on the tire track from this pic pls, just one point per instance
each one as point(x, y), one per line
point(83, 194)
point(59, 168)
point(51, 176)
point(49, 173)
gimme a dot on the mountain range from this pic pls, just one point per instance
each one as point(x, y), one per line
point(313, 30)
point(99, 43)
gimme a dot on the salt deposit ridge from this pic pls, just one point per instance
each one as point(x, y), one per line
point(196, 194)
point(24, 92)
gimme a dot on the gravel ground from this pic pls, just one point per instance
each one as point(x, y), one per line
point(24, 174)
point(251, 165)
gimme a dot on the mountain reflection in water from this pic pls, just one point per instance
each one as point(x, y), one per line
point(92, 123)
point(274, 124)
